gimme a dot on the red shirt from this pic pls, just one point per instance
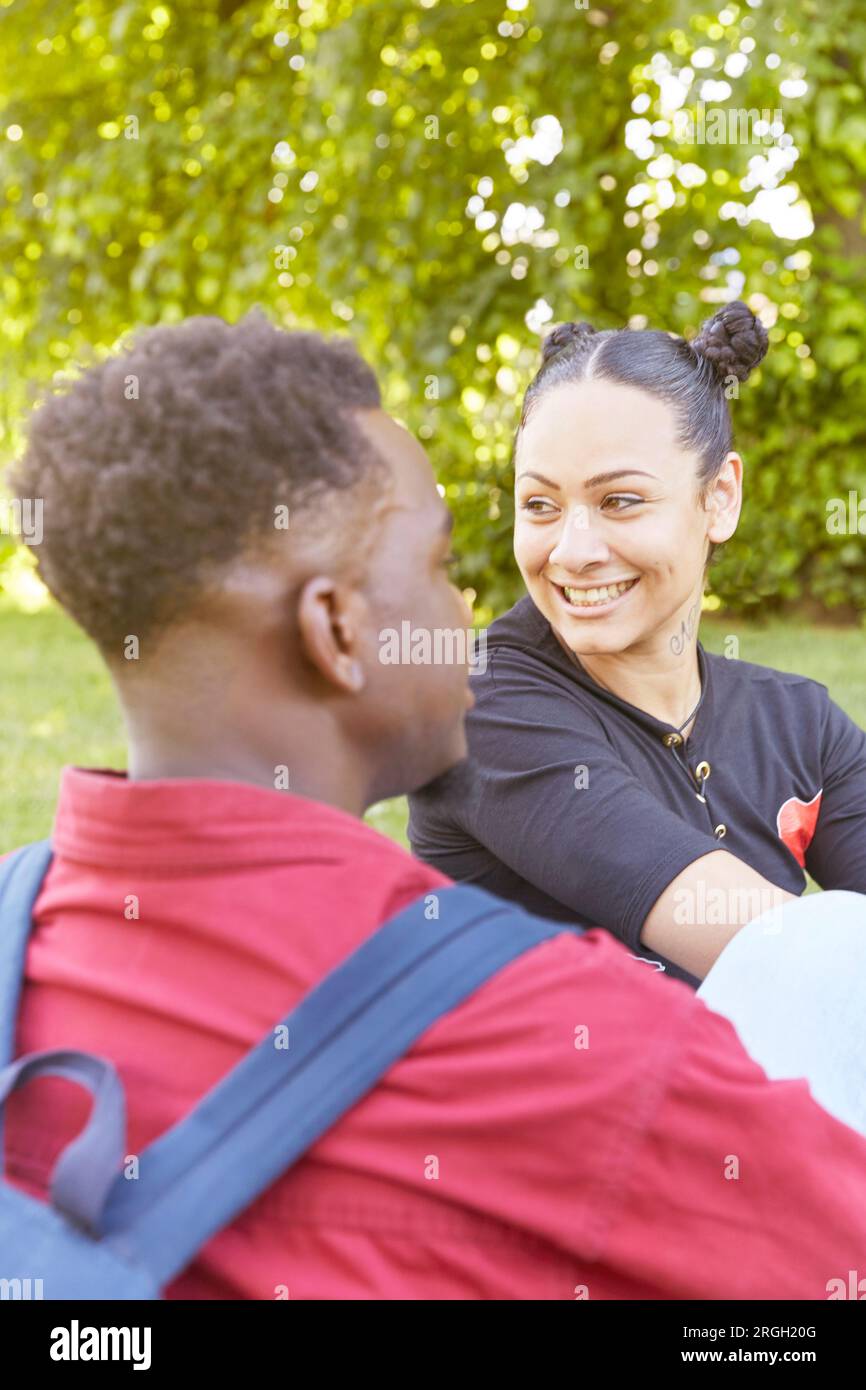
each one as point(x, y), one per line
point(497, 1159)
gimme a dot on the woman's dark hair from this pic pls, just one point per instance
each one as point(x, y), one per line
point(690, 376)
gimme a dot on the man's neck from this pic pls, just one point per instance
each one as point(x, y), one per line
point(157, 760)
point(293, 748)
point(210, 704)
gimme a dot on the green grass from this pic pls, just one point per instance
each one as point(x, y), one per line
point(57, 705)
point(836, 656)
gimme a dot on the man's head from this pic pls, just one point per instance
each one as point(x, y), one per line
point(234, 520)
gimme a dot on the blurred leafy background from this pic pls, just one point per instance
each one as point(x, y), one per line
point(444, 179)
point(428, 176)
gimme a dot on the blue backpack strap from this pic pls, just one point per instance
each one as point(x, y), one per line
point(21, 877)
point(274, 1105)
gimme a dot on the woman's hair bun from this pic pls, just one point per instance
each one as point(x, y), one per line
point(733, 341)
point(564, 336)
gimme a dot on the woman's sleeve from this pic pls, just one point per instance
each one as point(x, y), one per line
point(552, 799)
point(836, 856)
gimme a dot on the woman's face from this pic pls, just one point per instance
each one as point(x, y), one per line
point(611, 530)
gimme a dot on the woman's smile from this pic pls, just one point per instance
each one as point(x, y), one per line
point(596, 600)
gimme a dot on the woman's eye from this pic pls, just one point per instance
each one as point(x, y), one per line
point(536, 505)
point(621, 501)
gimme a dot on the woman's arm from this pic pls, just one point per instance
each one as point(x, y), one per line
point(706, 905)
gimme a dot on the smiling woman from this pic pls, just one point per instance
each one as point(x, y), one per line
point(632, 506)
point(609, 754)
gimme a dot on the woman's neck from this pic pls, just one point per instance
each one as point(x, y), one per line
point(662, 679)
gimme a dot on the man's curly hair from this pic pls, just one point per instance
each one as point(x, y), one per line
point(161, 464)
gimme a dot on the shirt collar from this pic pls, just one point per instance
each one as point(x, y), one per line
point(105, 819)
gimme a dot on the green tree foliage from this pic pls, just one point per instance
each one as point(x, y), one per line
point(361, 167)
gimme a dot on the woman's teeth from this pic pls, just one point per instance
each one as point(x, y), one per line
point(588, 598)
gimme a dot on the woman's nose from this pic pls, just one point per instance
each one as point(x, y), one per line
point(579, 543)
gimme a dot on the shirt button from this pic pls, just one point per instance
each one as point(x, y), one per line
point(720, 832)
point(672, 740)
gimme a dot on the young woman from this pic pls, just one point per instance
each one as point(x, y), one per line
point(617, 773)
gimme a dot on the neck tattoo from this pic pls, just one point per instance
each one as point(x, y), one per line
point(687, 630)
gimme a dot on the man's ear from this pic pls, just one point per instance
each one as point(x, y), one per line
point(328, 626)
point(723, 500)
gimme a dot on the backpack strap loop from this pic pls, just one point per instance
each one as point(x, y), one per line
point(89, 1165)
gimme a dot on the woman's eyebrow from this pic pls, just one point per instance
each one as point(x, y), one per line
point(527, 473)
point(595, 481)
point(618, 473)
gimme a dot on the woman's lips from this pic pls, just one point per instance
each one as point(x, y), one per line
point(594, 609)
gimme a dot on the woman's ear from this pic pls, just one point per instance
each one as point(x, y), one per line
point(329, 632)
point(723, 500)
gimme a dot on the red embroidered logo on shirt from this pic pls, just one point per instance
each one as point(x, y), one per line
point(796, 823)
